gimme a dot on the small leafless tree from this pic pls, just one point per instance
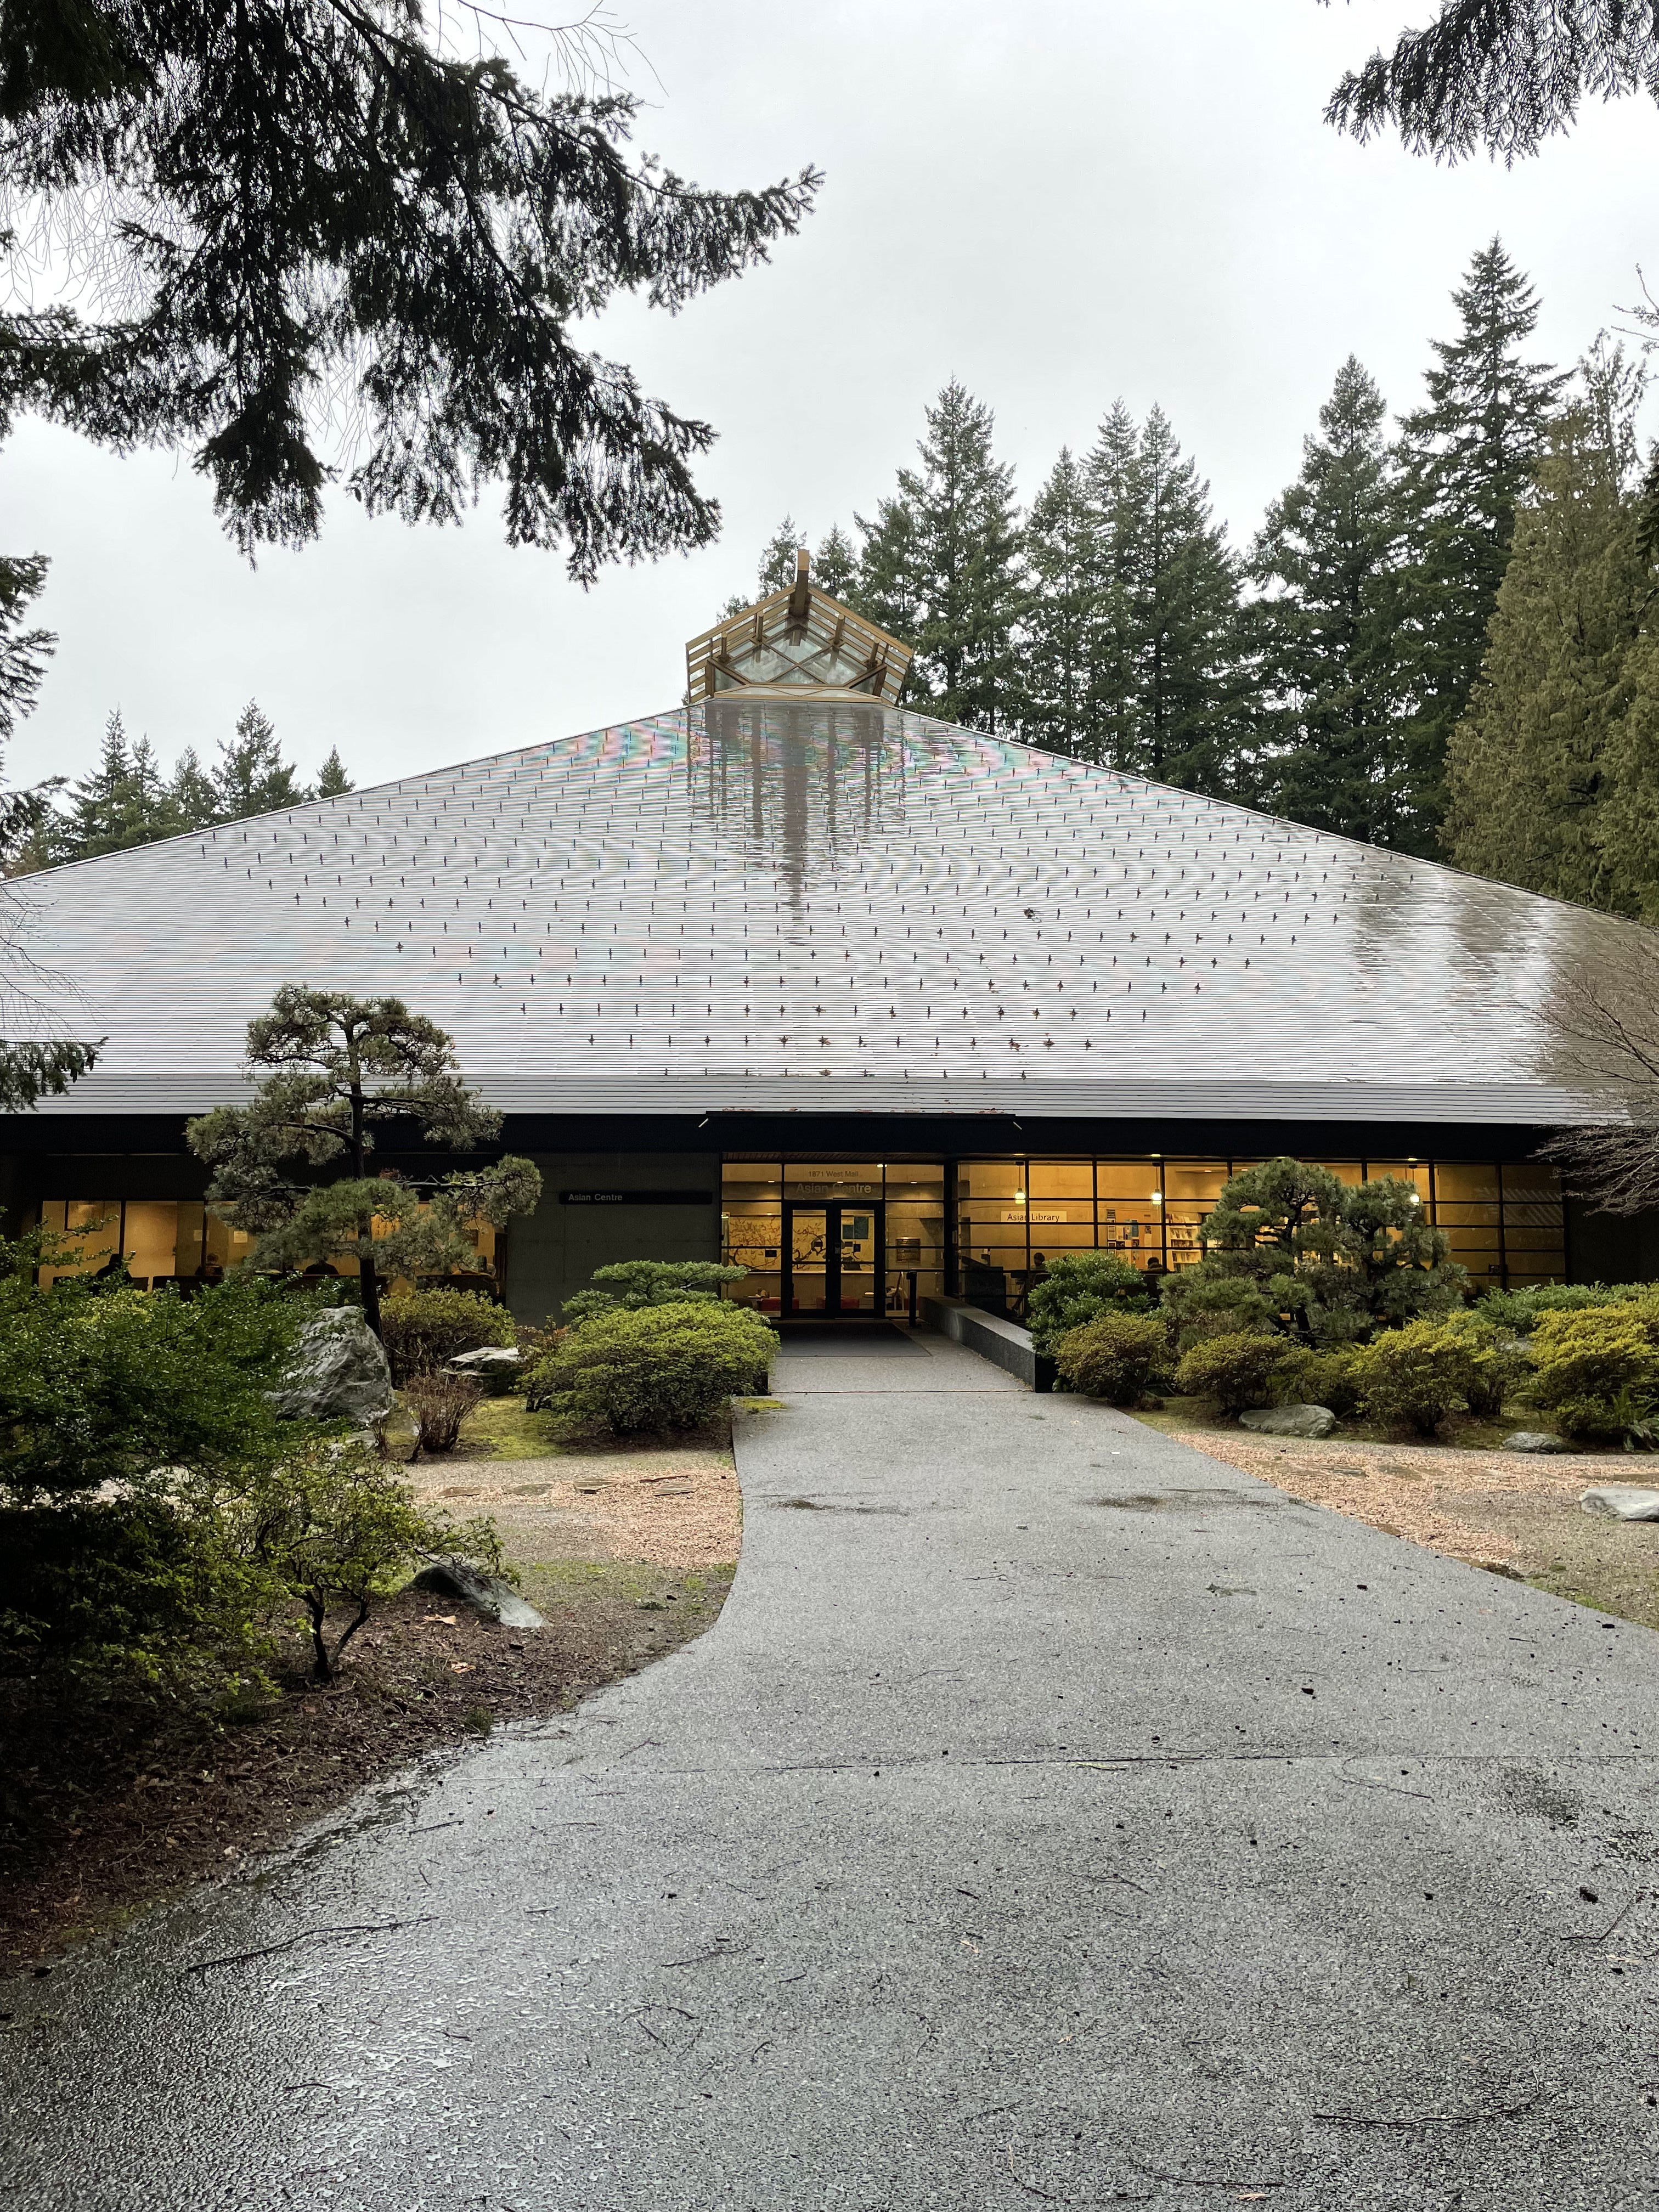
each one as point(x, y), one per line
point(1609, 1016)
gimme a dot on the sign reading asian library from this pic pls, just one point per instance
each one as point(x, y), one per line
point(637, 1198)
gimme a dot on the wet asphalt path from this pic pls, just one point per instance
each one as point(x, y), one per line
point(1055, 1816)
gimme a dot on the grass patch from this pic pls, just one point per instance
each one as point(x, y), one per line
point(502, 1428)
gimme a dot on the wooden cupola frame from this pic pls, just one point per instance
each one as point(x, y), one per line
point(794, 643)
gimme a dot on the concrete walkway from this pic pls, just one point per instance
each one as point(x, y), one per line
point(1055, 1816)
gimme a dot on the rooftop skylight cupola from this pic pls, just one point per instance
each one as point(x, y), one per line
point(796, 643)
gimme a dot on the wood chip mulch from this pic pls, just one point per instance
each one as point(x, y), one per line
point(97, 1820)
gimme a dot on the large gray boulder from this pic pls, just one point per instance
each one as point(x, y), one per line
point(496, 1366)
point(339, 1372)
point(1533, 1440)
point(1311, 1422)
point(1622, 1501)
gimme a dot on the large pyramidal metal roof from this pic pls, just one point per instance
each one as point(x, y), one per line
point(823, 905)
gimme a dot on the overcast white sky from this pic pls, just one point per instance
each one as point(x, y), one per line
point(1059, 203)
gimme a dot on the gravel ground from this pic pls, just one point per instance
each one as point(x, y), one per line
point(1506, 1511)
point(667, 1505)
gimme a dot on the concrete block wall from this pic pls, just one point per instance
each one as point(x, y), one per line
point(553, 1252)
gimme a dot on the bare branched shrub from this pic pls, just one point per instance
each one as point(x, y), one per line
point(440, 1403)
point(1610, 1018)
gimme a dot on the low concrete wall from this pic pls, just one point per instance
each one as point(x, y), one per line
point(1004, 1343)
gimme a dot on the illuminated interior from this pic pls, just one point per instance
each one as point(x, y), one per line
point(839, 1237)
point(165, 1240)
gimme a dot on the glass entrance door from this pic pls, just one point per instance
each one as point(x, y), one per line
point(833, 1254)
point(807, 1251)
point(858, 1245)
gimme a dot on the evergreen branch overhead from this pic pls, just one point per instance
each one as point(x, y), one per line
point(317, 249)
point(1503, 75)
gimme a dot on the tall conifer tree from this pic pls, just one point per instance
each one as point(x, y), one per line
point(252, 776)
point(1467, 459)
point(1324, 633)
point(1058, 707)
point(1533, 767)
point(1113, 473)
point(941, 569)
point(1182, 609)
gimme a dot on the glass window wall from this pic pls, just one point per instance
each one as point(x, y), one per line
point(1009, 1218)
point(165, 1240)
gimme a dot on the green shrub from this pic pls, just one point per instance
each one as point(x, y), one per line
point(1598, 1371)
point(1499, 1365)
point(1521, 1311)
point(147, 1595)
point(1236, 1371)
point(657, 1369)
point(1118, 1358)
point(333, 1528)
point(1199, 1304)
point(424, 1330)
point(1412, 1377)
point(630, 1285)
point(106, 1385)
point(1331, 1378)
point(1079, 1287)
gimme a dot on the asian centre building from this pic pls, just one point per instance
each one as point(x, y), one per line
point(878, 1008)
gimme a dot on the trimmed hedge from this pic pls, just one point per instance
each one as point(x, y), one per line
point(424, 1330)
point(1598, 1372)
point(1118, 1358)
point(1237, 1370)
point(655, 1370)
point(1412, 1377)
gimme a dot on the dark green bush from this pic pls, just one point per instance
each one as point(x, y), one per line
point(1236, 1371)
point(1412, 1377)
point(424, 1330)
point(657, 1369)
point(1118, 1357)
point(151, 1593)
point(105, 1385)
point(1310, 1378)
point(1598, 1371)
point(1079, 1287)
point(628, 1285)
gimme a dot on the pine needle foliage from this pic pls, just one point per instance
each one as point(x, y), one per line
point(316, 247)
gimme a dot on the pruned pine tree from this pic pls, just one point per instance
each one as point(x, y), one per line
point(1058, 702)
point(1467, 459)
point(1323, 631)
point(941, 569)
point(316, 245)
point(296, 1166)
point(1551, 786)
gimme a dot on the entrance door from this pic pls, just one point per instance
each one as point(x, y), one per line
point(807, 1251)
point(833, 1258)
